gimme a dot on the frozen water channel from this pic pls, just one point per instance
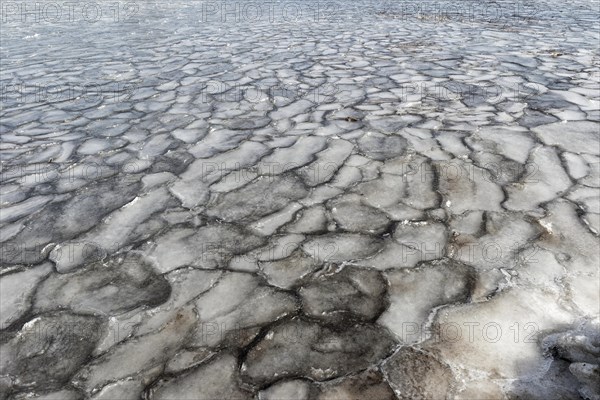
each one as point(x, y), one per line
point(337, 200)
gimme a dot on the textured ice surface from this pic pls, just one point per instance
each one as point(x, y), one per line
point(346, 294)
point(415, 374)
point(300, 201)
point(315, 351)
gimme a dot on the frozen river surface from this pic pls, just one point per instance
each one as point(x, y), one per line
point(300, 200)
